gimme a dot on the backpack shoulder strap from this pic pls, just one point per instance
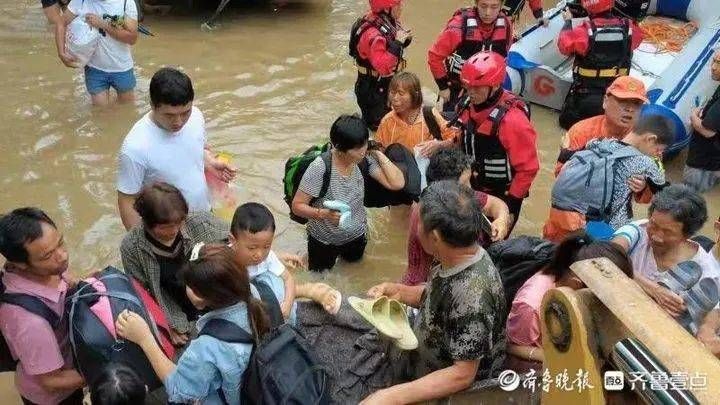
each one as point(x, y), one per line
point(271, 303)
point(327, 159)
point(431, 122)
point(33, 305)
point(226, 331)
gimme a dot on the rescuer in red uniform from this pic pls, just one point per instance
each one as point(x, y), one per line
point(497, 133)
point(603, 48)
point(469, 31)
point(376, 43)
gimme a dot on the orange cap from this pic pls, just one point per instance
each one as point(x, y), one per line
point(627, 87)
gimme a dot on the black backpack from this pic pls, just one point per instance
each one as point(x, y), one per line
point(283, 369)
point(518, 259)
point(295, 168)
point(378, 196)
point(31, 304)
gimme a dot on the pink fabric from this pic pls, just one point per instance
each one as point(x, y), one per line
point(420, 262)
point(158, 316)
point(523, 323)
point(102, 308)
point(39, 349)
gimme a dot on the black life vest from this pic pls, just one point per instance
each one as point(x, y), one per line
point(384, 25)
point(473, 42)
point(481, 141)
point(609, 54)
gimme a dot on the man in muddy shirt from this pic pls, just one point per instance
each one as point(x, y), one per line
point(461, 323)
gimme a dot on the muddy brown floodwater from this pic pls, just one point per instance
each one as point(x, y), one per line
point(269, 83)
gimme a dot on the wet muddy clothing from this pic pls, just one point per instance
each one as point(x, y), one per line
point(462, 317)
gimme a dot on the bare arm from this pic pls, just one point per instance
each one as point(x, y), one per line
point(407, 294)
point(438, 384)
point(289, 297)
point(526, 352)
point(159, 361)
point(126, 33)
point(302, 208)
point(59, 20)
point(389, 175)
point(130, 218)
point(61, 380)
point(497, 209)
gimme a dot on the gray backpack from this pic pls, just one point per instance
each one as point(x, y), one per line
point(586, 182)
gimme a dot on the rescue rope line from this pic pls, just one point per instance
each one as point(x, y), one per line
point(667, 35)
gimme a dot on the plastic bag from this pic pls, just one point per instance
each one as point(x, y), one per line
point(422, 162)
point(81, 40)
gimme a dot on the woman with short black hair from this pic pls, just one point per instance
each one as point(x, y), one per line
point(328, 238)
point(154, 251)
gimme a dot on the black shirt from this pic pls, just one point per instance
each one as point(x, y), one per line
point(171, 260)
point(704, 153)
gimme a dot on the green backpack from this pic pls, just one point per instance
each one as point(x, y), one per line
point(295, 168)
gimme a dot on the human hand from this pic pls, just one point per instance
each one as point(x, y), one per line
point(637, 183)
point(566, 14)
point(178, 338)
point(222, 170)
point(291, 261)
point(427, 148)
point(132, 327)
point(331, 216)
point(68, 60)
point(543, 21)
point(95, 21)
point(390, 290)
point(499, 229)
point(670, 302)
point(403, 35)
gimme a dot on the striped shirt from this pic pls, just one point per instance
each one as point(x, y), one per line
point(348, 189)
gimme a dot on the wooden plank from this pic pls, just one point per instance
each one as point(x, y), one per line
point(645, 320)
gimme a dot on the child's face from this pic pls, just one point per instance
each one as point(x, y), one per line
point(252, 248)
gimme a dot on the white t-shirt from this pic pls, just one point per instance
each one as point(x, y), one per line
point(111, 55)
point(150, 153)
point(643, 260)
point(272, 264)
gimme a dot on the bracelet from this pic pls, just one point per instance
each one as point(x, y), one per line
point(319, 215)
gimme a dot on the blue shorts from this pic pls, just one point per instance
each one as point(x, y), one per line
point(97, 81)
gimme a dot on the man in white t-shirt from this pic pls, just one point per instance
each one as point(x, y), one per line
point(112, 64)
point(168, 144)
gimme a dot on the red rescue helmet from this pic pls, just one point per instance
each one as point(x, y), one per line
point(483, 69)
point(597, 6)
point(377, 6)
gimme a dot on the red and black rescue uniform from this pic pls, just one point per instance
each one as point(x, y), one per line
point(501, 141)
point(378, 55)
point(464, 36)
point(603, 48)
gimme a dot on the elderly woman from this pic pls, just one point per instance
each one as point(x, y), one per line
point(662, 241)
point(155, 251)
point(406, 123)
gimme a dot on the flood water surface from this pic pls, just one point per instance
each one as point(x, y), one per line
point(269, 83)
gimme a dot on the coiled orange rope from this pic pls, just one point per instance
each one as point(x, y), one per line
point(666, 34)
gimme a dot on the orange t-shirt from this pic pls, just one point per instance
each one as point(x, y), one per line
point(393, 129)
point(586, 130)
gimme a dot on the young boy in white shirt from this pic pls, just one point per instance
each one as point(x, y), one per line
point(112, 64)
point(251, 235)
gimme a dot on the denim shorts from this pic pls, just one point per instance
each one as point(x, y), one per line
point(97, 81)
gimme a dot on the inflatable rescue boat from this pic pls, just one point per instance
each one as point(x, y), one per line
point(675, 72)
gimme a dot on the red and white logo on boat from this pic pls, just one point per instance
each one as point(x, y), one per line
point(544, 86)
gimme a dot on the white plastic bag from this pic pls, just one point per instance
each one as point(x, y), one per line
point(422, 163)
point(81, 40)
